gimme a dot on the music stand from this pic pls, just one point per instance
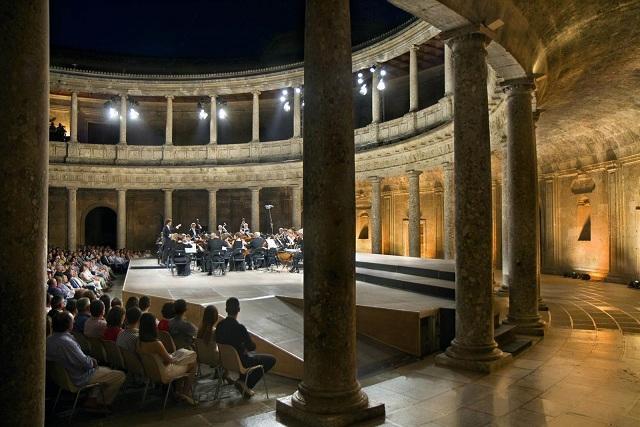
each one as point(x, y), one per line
point(268, 208)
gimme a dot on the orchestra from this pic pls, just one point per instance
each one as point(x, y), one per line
point(224, 251)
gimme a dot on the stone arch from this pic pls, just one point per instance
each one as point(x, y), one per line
point(82, 216)
point(101, 227)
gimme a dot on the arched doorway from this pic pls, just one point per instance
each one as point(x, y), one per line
point(101, 227)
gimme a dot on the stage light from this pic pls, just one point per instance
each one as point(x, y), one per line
point(222, 113)
point(372, 69)
point(381, 85)
point(111, 109)
point(360, 80)
point(298, 90)
point(202, 113)
point(283, 98)
point(303, 103)
point(113, 113)
point(360, 75)
point(133, 113)
point(383, 72)
point(285, 92)
point(286, 107)
point(363, 89)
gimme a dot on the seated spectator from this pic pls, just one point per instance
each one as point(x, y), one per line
point(83, 315)
point(57, 306)
point(63, 349)
point(207, 333)
point(94, 326)
point(182, 331)
point(131, 302)
point(171, 366)
point(114, 324)
point(230, 332)
point(71, 307)
point(128, 339)
point(116, 302)
point(144, 303)
point(168, 313)
point(106, 300)
point(52, 288)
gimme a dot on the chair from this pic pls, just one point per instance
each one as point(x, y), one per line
point(97, 350)
point(258, 259)
point(271, 258)
point(114, 356)
point(60, 377)
point(180, 258)
point(82, 341)
point(207, 353)
point(152, 365)
point(238, 257)
point(132, 363)
point(230, 361)
point(167, 341)
point(217, 262)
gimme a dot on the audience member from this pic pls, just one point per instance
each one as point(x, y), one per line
point(231, 332)
point(131, 302)
point(114, 324)
point(94, 326)
point(128, 339)
point(207, 348)
point(83, 314)
point(47, 302)
point(72, 307)
point(173, 366)
point(106, 300)
point(63, 349)
point(182, 331)
point(57, 305)
point(116, 302)
point(144, 303)
point(168, 313)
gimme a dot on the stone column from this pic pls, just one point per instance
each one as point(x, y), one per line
point(296, 211)
point(375, 220)
point(169, 128)
point(329, 393)
point(413, 78)
point(24, 66)
point(296, 113)
point(72, 221)
point(414, 213)
point(213, 210)
point(504, 287)
point(375, 96)
point(255, 129)
point(122, 219)
point(449, 211)
point(255, 209)
point(123, 119)
point(448, 71)
point(168, 203)
point(542, 306)
point(213, 120)
point(522, 209)
point(74, 117)
point(473, 346)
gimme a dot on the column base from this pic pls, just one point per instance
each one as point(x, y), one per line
point(542, 306)
point(286, 411)
point(533, 327)
point(485, 359)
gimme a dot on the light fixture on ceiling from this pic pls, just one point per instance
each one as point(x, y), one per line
point(363, 89)
point(134, 114)
point(286, 106)
point(202, 113)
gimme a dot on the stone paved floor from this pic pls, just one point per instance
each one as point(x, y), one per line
point(585, 372)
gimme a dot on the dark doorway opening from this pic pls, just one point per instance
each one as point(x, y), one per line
point(101, 227)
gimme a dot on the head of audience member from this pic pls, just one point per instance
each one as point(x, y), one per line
point(168, 311)
point(133, 317)
point(148, 329)
point(144, 303)
point(106, 300)
point(97, 308)
point(83, 305)
point(233, 307)
point(116, 302)
point(72, 307)
point(180, 307)
point(131, 302)
point(209, 320)
point(47, 301)
point(52, 283)
point(62, 322)
point(57, 303)
point(91, 295)
point(114, 318)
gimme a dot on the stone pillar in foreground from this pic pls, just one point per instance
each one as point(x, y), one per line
point(329, 394)
point(72, 218)
point(296, 112)
point(296, 208)
point(213, 121)
point(375, 220)
point(504, 286)
point(213, 210)
point(255, 122)
point(449, 211)
point(123, 119)
point(473, 346)
point(522, 209)
point(74, 117)
point(168, 134)
point(168, 204)
point(413, 78)
point(24, 119)
point(414, 213)
point(255, 209)
point(122, 219)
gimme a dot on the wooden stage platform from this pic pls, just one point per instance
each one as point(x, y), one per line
point(395, 323)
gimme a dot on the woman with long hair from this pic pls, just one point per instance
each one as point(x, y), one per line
point(206, 339)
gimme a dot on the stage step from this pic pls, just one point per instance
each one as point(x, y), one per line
point(422, 284)
point(508, 341)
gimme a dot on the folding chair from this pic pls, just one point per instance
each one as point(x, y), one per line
point(60, 377)
point(230, 361)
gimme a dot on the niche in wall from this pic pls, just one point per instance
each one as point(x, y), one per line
point(584, 219)
point(363, 227)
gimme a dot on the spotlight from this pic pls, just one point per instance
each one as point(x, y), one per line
point(113, 113)
point(303, 103)
point(360, 75)
point(283, 98)
point(286, 107)
point(372, 69)
point(111, 109)
point(383, 72)
point(363, 89)
point(381, 85)
point(360, 80)
point(285, 92)
point(202, 113)
point(298, 90)
point(133, 113)
point(222, 113)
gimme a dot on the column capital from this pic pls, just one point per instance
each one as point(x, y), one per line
point(412, 173)
point(213, 97)
point(255, 188)
point(522, 85)
point(256, 93)
point(169, 97)
point(213, 190)
point(414, 48)
point(123, 96)
point(374, 179)
point(121, 190)
point(72, 188)
point(167, 190)
point(467, 33)
point(447, 166)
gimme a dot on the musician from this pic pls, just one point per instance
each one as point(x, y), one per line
point(244, 227)
point(167, 231)
point(238, 242)
point(216, 246)
point(256, 244)
point(298, 256)
point(194, 231)
point(183, 262)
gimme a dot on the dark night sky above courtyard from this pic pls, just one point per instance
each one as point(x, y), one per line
point(241, 32)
